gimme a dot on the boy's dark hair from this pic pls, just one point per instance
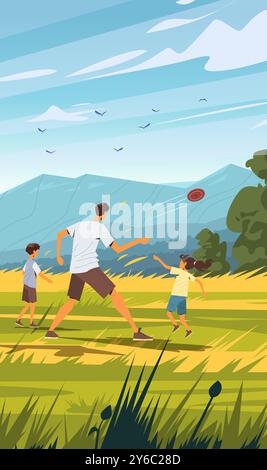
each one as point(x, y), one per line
point(31, 248)
point(101, 208)
point(191, 263)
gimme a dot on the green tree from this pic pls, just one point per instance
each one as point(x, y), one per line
point(258, 164)
point(210, 247)
point(247, 216)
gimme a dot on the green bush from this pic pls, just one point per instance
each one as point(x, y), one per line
point(210, 247)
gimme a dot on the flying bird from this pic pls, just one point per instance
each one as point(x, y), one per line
point(99, 113)
point(155, 110)
point(119, 149)
point(41, 130)
point(203, 99)
point(144, 127)
point(50, 151)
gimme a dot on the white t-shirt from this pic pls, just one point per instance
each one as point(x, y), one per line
point(86, 236)
point(180, 286)
point(31, 271)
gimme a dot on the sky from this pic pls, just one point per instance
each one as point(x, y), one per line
point(194, 70)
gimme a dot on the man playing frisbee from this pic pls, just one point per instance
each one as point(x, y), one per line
point(85, 268)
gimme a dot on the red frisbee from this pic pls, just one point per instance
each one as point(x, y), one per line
point(196, 195)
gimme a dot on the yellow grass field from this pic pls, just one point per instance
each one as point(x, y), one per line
point(11, 280)
point(220, 322)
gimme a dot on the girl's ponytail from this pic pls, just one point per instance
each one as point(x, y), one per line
point(191, 263)
point(202, 265)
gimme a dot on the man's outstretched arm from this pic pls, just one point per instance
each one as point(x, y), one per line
point(60, 235)
point(120, 248)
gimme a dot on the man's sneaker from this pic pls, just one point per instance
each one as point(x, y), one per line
point(51, 335)
point(175, 328)
point(141, 336)
point(19, 323)
point(188, 333)
point(33, 325)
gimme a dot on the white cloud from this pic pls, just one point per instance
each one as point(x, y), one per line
point(185, 2)
point(225, 47)
point(214, 113)
point(228, 48)
point(56, 114)
point(166, 57)
point(27, 75)
point(261, 124)
point(80, 104)
point(175, 23)
point(107, 63)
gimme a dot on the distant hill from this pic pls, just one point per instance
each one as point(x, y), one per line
point(181, 184)
point(39, 208)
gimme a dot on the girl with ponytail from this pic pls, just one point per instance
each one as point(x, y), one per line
point(179, 293)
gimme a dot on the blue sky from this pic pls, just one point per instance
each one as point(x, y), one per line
point(63, 60)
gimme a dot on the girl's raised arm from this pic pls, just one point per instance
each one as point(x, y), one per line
point(166, 266)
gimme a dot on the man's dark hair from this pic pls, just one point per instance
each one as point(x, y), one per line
point(31, 248)
point(101, 208)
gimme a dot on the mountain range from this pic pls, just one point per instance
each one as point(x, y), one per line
point(37, 209)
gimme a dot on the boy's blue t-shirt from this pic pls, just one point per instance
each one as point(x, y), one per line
point(31, 271)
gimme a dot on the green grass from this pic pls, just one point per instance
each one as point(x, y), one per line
point(11, 299)
point(84, 385)
point(135, 421)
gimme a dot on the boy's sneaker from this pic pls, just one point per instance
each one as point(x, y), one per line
point(188, 333)
point(175, 328)
point(19, 323)
point(51, 335)
point(141, 336)
point(33, 325)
